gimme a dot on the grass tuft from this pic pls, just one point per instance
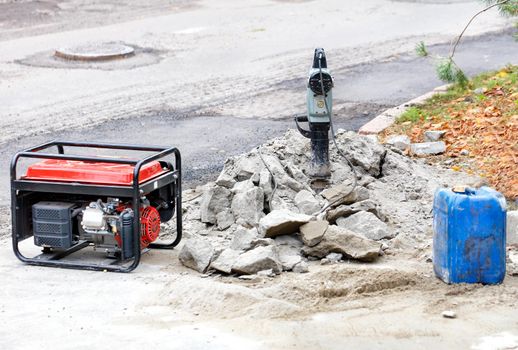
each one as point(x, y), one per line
point(413, 114)
point(421, 50)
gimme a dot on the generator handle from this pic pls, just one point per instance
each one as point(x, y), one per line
point(107, 145)
point(14, 161)
point(34, 152)
point(136, 202)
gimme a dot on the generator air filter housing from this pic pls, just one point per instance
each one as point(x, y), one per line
point(52, 224)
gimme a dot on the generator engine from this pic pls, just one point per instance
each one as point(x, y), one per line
point(105, 223)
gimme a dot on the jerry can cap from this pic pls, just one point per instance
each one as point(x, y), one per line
point(463, 189)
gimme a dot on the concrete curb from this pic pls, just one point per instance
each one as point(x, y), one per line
point(387, 118)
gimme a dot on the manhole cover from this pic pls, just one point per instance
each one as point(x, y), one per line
point(95, 52)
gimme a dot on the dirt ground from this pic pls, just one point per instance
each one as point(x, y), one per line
point(394, 303)
point(223, 59)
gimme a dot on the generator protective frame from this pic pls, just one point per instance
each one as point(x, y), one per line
point(21, 187)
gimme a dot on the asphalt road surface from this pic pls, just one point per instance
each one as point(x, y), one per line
point(207, 138)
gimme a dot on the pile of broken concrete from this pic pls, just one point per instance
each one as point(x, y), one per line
point(263, 215)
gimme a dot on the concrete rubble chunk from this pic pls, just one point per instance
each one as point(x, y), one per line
point(242, 186)
point(359, 194)
point(434, 135)
point(334, 257)
point(289, 251)
point(288, 240)
point(193, 227)
point(335, 193)
point(257, 259)
point(224, 219)
point(313, 232)
point(301, 267)
point(191, 212)
point(256, 178)
point(428, 148)
point(331, 258)
point(248, 207)
point(362, 151)
point(281, 222)
point(214, 200)
point(273, 163)
point(396, 165)
point(283, 198)
point(225, 260)
point(278, 203)
point(196, 254)
point(372, 137)
point(246, 167)
point(306, 202)
point(340, 173)
point(339, 194)
point(289, 257)
point(292, 145)
point(266, 183)
point(512, 227)
point(262, 242)
point(401, 142)
point(288, 182)
point(266, 273)
point(225, 180)
point(243, 238)
point(351, 245)
point(365, 224)
point(296, 173)
point(346, 210)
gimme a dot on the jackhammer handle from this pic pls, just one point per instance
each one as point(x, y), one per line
point(302, 119)
point(319, 55)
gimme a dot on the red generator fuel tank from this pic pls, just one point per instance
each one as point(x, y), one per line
point(90, 172)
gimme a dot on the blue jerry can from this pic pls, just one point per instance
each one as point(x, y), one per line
point(469, 235)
